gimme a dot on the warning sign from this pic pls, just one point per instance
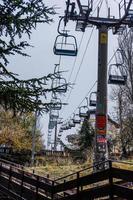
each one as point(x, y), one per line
point(101, 122)
point(103, 38)
point(101, 132)
point(101, 139)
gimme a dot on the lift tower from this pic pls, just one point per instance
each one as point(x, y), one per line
point(75, 11)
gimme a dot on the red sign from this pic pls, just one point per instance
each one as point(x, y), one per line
point(101, 121)
point(101, 140)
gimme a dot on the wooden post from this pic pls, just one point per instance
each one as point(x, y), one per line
point(64, 185)
point(37, 186)
point(52, 193)
point(77, 182)
point(111, 180)
point(22, 181)
point(10, 176)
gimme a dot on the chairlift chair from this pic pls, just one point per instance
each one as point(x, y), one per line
point(51, 124)
point(59, 134)
point(63, 127)
point(68, 126)
point(61, 130)
point(60, 84)
point(92, 111)
point(83, 112)
point(71, 124)
point(117, 75)
point(49, 134)
point(76, 119)
point(65, 45)
point(55, 104)
point(54, 114)
point(92, 99)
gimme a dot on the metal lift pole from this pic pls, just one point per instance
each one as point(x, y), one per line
point(101, 108)
point(55, 138)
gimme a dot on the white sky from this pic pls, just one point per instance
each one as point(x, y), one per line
point(43, 59)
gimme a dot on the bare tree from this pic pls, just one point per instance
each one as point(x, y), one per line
point(124, 94)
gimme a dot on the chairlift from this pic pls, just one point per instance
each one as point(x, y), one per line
point(59, 135)
point(71, 124)
point(61, 130)
point(76, 119)
point(128, 9)
point(49, 134)
point(65, 45)
point(51, 124)
point(49, 131)
point(54, 114)
point(60, 84)
point(63, 127)
point(92, 111)
point(67, 127)
point(93, 101)
point(117, 74)
point(55, 104)
point(84, 112)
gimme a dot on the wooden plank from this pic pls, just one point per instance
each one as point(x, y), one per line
point(9, 193)
point(98, 192)
point(123, 192)
point(82, 181)
point(28, 179)
point(124, 174)
point(15, 190)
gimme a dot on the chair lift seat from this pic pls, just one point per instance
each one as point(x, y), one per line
point(117, 79)
point(63, 49)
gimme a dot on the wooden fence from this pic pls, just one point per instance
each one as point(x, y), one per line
point(82, 185)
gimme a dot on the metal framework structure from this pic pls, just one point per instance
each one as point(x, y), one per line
point(75, 11)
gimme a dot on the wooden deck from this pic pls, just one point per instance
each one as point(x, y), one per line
point(112, 183)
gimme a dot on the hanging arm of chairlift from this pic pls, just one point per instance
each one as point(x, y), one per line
point(58, 29)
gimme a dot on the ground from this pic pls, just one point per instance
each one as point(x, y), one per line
point(55, 170)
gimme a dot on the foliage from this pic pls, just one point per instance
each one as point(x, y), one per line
point(17, 20)
point(86, 138)
point(124, 95)
point(17, 132)
point(86, 135)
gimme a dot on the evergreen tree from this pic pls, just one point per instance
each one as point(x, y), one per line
point(86, 136)
point(17, 19)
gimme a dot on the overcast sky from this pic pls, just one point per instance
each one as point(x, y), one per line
point(42, 58)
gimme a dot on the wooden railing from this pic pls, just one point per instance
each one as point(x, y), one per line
point(82, 185)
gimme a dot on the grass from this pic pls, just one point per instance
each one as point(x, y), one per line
point(56, 170)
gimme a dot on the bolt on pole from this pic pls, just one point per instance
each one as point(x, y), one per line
point(101, 152)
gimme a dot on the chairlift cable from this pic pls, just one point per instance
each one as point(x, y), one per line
point(81, 63)
point(116, 50)
point(83, 99)
point(95, 81)
point(107, 4)
point(100, 2)
point(98, 5)
point(75, 59)
point(116, 1)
